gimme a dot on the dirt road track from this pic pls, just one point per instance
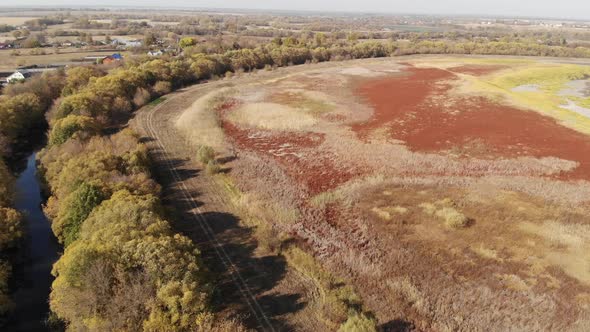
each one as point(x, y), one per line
point(261, 290)
point(151, 123)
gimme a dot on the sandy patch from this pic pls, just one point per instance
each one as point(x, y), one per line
point(527, 88)
point(360, 71)
point(577, 88)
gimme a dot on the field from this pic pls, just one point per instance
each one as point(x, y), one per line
point(16, 20)
point(452, 193)
point(68, 56)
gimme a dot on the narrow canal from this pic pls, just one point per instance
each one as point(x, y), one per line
point(39, 253)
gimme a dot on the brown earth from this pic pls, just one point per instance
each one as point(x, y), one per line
point(295, 152)
point(419, 110)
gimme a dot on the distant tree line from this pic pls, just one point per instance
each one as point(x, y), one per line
point(6, 28)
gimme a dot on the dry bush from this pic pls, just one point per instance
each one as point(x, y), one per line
point(269, 238)
point(452, 217)
point(205, 154)
point(162, 88)
point(266, 191)
point(382, 213)
point(212, 167)
point(142, 96)
point(359, 323)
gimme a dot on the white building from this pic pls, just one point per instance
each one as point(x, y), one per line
point(18, 76)
point(155, 53)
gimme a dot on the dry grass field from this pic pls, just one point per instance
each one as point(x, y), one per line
point(15, 20)
point(9, 62)
point(452, 193)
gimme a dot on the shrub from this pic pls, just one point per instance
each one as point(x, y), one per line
point(10, 227)
point(452, 217)
point(358, 322)
point(162, 87)
point(141, 97)
point(205, 154)
point(6, 185)
point(212, 167)
point(6, 304)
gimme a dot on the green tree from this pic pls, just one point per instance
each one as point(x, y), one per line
point(187, 42)
point(64, 129)
point(76, 207)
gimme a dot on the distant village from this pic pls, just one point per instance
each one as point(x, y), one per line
point(22, 73)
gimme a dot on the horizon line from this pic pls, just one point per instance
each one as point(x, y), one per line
point(229, 10)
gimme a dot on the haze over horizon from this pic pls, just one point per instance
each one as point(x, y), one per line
point(574, 9)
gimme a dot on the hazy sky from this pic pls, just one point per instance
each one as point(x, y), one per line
point(546, 8)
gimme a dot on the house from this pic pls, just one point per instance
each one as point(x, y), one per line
point(17, 76)
point(121, 43)
point(112, 58)
point(155, 53)
point(104, 59)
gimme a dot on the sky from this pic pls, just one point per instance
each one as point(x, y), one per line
point(578, 9)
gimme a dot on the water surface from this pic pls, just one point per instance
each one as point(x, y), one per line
point(40, 251)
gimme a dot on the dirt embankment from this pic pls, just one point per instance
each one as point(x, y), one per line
point(419, 109)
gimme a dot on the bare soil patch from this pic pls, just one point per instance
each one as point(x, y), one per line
point(295, 152)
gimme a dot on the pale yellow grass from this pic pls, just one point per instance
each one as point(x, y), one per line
point(271, 116)
point(450, 62)
point(404, 289)
point(199, 123)
point(360, 71)
point(514, 282)
point(452, 217)
point(485, 252)
point(569, 246)
point(387, 212)
point(9, 20)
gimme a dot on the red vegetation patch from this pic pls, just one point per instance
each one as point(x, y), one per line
point(477, 70)
point(419, 111)
point(317, 171)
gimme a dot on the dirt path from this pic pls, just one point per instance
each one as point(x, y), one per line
point(259, 289)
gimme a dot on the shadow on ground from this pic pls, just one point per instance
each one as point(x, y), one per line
point(397, 325)
point(261, 274)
